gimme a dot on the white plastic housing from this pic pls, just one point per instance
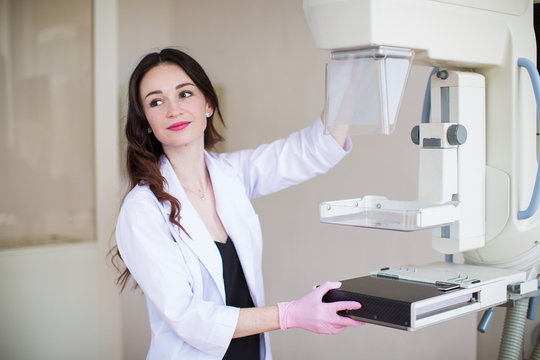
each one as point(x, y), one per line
point(422, 25)
point(487, 37)
point(438, 178)
point(451, 184)
point(460, 99)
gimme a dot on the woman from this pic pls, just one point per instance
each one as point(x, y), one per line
point(187, 231)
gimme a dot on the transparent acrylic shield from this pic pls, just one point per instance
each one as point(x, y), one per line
point(364, 89)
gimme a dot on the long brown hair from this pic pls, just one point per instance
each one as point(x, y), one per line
point(144, 150)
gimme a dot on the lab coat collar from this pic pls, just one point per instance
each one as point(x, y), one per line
point(201, 242)
point(229, 194)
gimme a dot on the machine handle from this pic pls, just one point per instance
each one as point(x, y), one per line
point(486, 319)
point(533, 302)
point(531, 310)
point(535, 80)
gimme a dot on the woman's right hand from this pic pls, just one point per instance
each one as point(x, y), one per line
point(310, 313)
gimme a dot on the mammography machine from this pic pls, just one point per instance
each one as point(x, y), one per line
point(478, 187)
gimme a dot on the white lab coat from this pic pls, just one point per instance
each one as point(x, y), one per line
point(182, 277)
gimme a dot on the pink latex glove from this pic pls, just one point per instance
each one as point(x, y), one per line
point(310, 313)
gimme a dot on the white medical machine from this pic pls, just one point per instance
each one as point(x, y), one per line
point(478, 189)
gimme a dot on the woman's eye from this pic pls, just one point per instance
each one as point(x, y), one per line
point(155, 102)
point(185, 94)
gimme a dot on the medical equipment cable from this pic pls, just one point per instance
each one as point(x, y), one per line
point(514, 328)
point(427, 97)
point(536, 352)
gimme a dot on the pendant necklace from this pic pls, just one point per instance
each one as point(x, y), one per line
point(198, 193)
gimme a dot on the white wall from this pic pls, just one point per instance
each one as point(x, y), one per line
point(261, 56)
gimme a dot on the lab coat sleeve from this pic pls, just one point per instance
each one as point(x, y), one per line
point(282, 163)
point(160, 269)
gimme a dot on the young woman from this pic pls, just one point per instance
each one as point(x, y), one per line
point(187, 231)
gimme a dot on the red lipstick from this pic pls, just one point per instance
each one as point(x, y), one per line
point(179, 125)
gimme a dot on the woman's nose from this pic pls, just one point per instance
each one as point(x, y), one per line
point(174, 109)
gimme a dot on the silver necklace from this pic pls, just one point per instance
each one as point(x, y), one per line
point(198, 193)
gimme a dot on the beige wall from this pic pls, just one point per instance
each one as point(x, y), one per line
point(59, 301)
point(261, 56)
point(49, 303)
point(46, 50)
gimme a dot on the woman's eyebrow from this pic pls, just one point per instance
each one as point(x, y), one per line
point(161, 92)
point(153, 92)
point(183, 84)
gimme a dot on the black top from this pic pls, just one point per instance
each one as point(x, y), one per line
point(237, 294)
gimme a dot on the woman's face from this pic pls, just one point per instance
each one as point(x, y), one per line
point(174, 107)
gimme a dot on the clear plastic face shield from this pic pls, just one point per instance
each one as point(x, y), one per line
point(364, 88)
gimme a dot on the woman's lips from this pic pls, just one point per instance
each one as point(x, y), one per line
point(179, 125)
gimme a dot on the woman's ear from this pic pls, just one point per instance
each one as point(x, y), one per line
point(209, 110)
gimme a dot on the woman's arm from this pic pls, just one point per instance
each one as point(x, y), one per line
point(338, 132)
point(308, 313)
point(256, 321)
point(273, 167)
